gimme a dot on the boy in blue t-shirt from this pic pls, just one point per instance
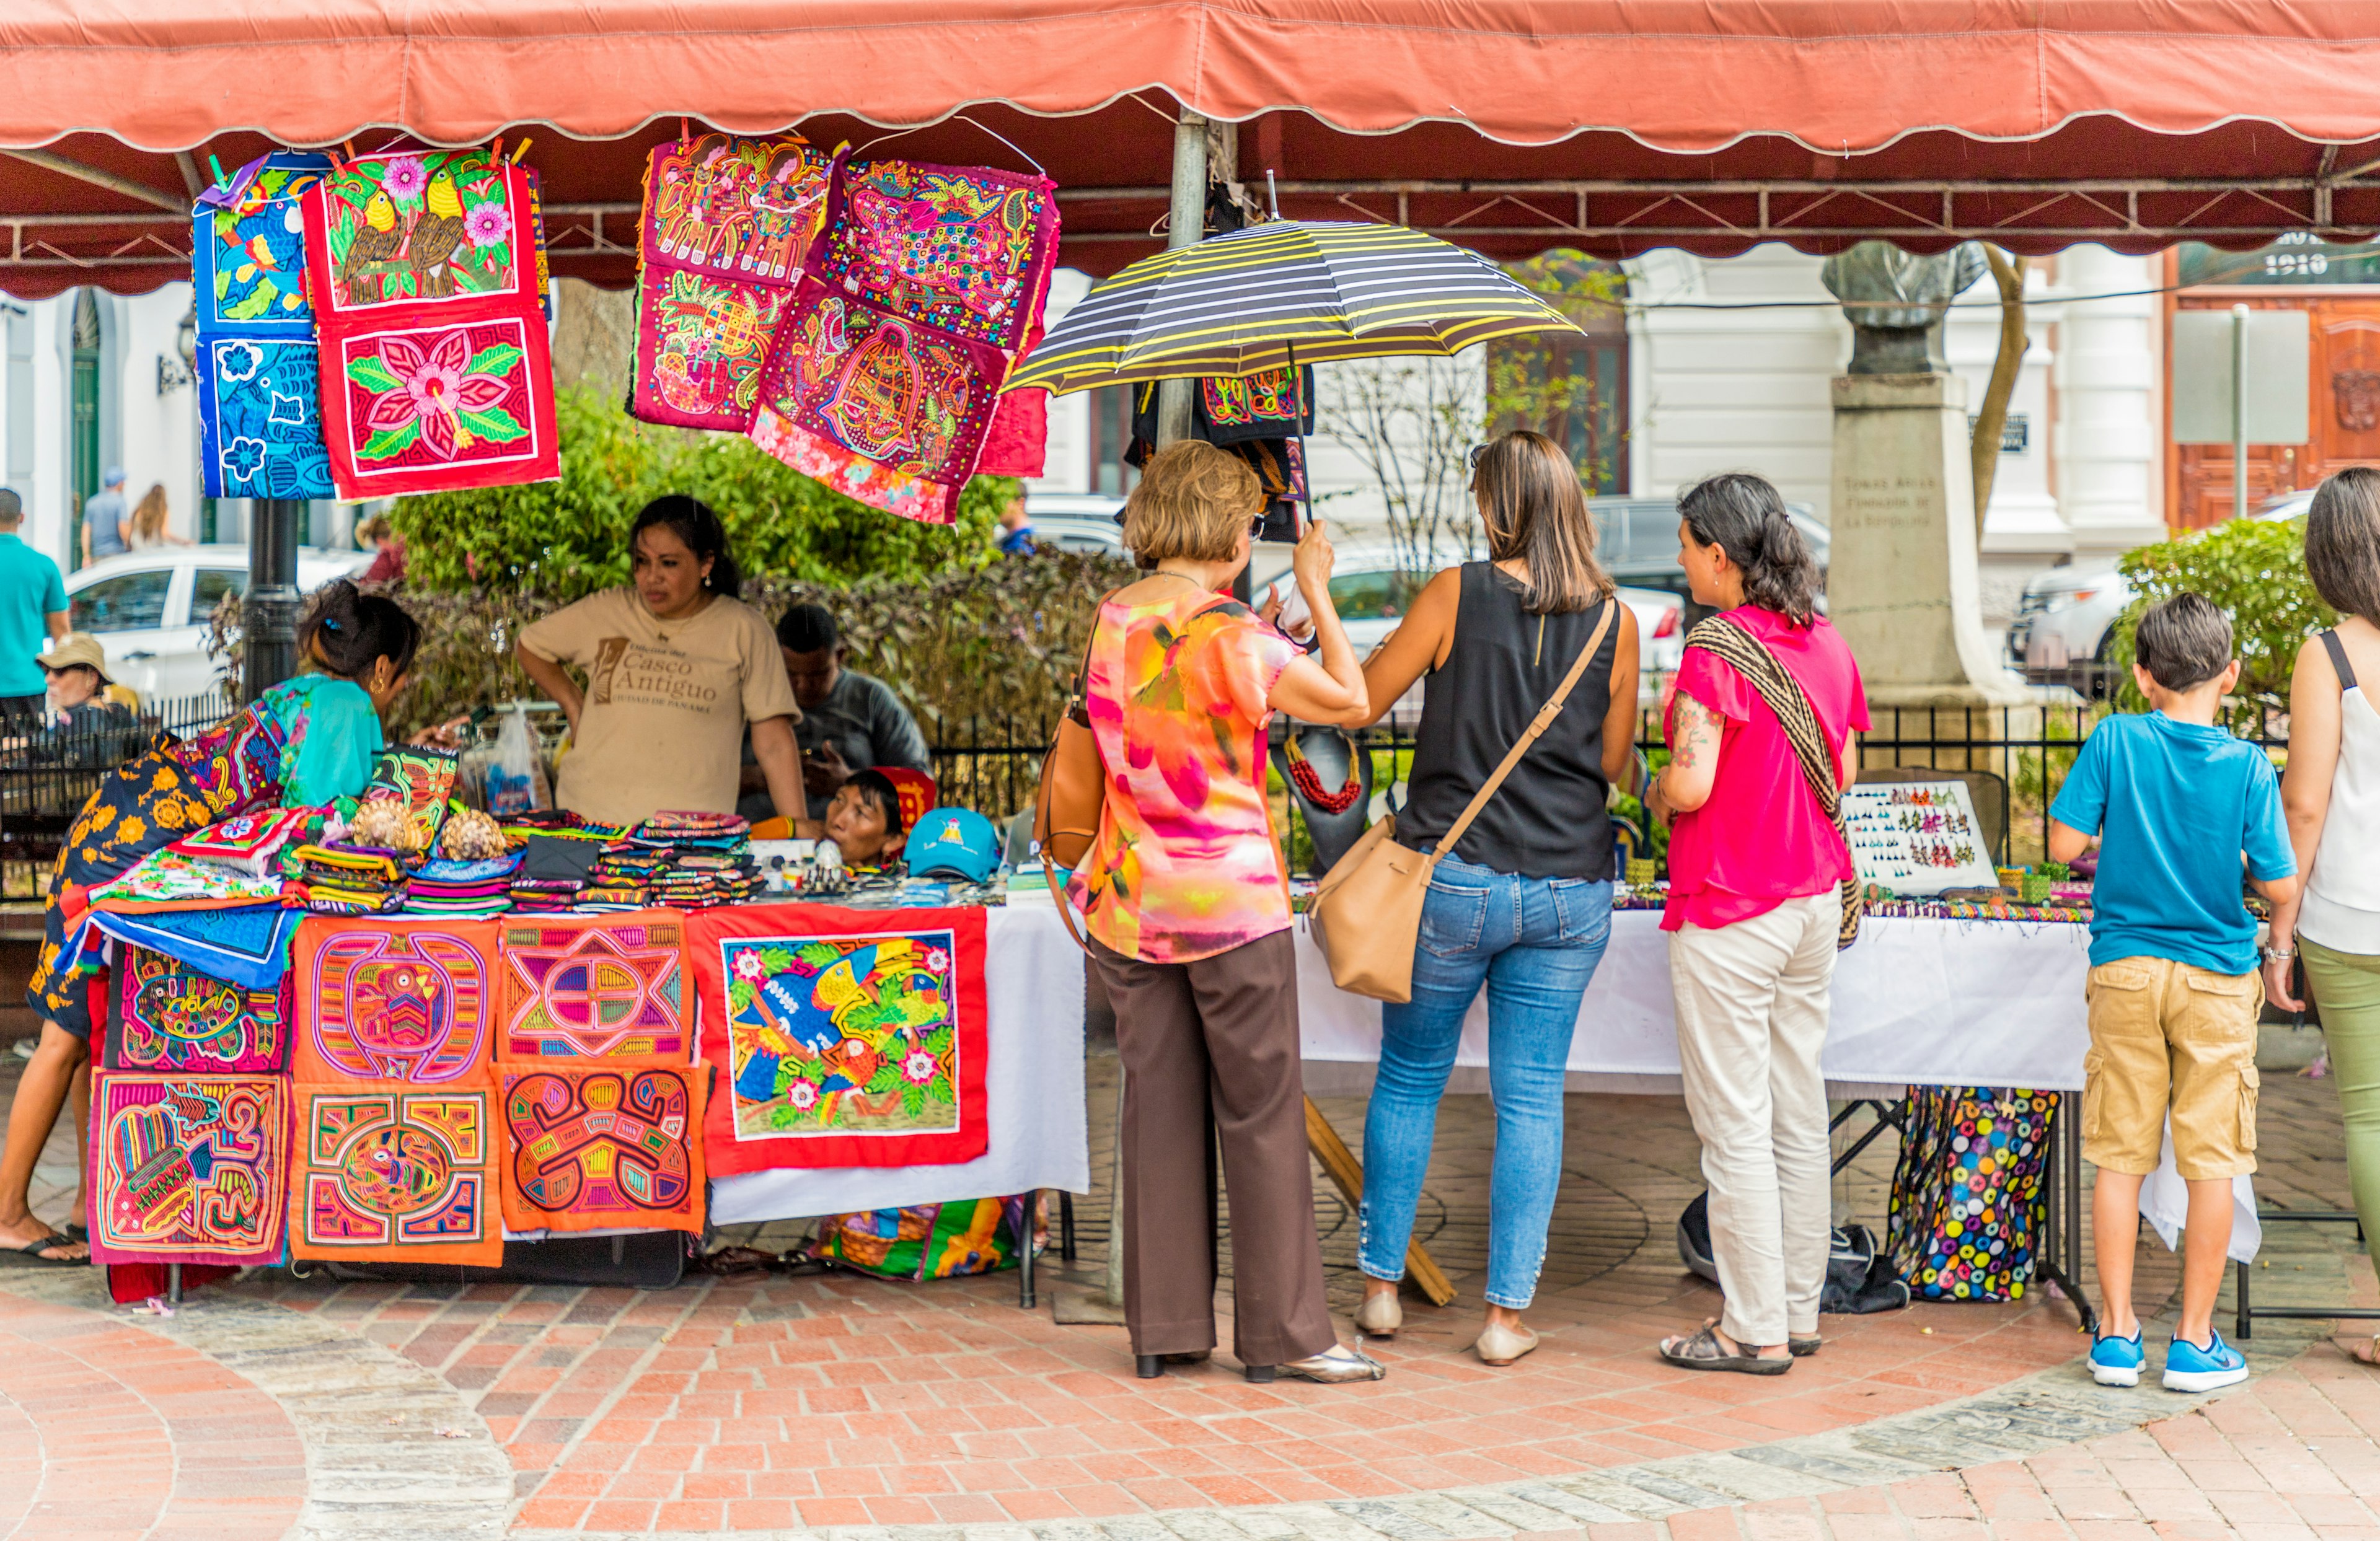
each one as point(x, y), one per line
point(2175, 802)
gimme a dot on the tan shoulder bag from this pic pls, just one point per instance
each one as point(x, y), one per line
point(1366, 913)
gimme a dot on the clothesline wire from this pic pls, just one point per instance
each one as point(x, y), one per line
point(1892, 304)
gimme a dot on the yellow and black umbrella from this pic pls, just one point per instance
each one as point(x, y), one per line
point(1271, 296)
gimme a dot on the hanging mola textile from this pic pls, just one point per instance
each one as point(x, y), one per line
point(727, 224)
point(423, 264)
point(915, 300)
point(259, 398)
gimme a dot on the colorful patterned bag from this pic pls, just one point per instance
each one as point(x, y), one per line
point(932, 1241)
point(727, 224)
point(1966, 1194)
point(259, 398)
point(915, 300)
point(435, 374)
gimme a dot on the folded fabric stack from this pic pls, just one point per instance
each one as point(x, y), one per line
point(349, 879)
point(251, 842)
point(474, 890)
point(562, 823)
point(554, 870)
point(686, 861)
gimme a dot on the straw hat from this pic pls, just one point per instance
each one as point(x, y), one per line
point(76, 647)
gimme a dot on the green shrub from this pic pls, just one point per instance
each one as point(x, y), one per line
point(568, 537)
point(2254, 571)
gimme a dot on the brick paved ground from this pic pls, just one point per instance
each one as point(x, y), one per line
point(817, 1403)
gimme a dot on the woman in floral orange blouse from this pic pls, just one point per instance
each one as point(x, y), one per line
point(1185, 898)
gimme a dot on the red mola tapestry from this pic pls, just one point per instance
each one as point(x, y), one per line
point(843, 1039)
point(171, 1018)
point(383, 999)
point(394, 1176)
point(597, 1149)
point(435, 372)
point(188, 1169)
point(602, 987)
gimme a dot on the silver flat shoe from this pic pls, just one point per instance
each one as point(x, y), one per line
point(1333, 1367)
point(1499, 1344)
point(1380, 1314)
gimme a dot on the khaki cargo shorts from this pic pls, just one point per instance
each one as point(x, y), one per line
point(2164, 1032)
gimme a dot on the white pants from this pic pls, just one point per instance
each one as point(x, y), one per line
point(1751, 1002)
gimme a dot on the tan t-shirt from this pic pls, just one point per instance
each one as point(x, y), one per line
point(666, 702)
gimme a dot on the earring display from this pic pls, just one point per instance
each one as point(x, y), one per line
point(1916, 839)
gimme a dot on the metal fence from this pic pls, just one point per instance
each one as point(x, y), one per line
point(46, 774)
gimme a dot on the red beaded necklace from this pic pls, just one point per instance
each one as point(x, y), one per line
point(1309, 781)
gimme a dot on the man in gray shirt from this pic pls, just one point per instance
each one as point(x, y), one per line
point(850, 721)
point(103, 518)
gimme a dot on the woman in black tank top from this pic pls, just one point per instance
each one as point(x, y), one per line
point(1523, 905)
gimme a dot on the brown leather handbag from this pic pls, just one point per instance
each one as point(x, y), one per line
point(1366, 911)
point(1073, 788)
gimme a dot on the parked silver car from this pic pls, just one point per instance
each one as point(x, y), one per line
point(148, 609)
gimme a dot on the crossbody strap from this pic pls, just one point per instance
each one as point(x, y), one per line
point(1537, 726)
point(2338, 652)
point(1729, 642)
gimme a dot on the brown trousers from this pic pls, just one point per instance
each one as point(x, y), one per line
point(1222, 1033)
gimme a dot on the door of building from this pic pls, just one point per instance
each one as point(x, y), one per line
point(2343, 394)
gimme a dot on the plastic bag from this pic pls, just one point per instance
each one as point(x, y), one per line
point(516, 772)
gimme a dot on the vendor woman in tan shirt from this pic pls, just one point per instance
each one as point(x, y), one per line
point(676, 666)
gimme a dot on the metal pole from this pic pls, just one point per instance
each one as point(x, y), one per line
point(269, 615)
point(1187, 224)
point(2239, 411)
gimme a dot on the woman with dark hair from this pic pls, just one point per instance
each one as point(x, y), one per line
point(676, 665)
point(301, 743)
point(2331, 793)
point(1754, 911)
point(1523, 904)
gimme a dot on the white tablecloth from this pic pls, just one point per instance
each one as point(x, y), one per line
point(1939, 1003)
point(1033, 973)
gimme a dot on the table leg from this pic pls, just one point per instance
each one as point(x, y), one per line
point(1025, 1263)
point(2059, 1260)
point(1347, 1175)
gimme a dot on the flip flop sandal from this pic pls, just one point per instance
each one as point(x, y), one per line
point(30, 1256)
point(1704, 1351)
point(1802, 1347)
point(79, 1233)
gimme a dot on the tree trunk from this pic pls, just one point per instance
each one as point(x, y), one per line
point(1985, 446)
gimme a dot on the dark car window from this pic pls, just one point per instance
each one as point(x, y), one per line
point(210, 587)
point(1371, 596)
point(135, 601)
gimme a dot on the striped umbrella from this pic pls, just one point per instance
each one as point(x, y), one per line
point(1292, 291)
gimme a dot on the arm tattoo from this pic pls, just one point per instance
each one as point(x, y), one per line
point(1693, 719)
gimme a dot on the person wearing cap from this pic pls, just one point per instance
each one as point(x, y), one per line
point(850, 721)
point(80, 725)
point(103, 518)
point(32, 604)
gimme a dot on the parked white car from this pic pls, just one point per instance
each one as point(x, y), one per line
point(148, 609)
point(1077, 521)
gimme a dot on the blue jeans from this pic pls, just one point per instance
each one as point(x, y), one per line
point(1534, 942)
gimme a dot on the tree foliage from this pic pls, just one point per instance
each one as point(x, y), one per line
point(2254, 572)
point(565, 538)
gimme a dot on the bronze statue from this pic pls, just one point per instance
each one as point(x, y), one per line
point(1895, 300)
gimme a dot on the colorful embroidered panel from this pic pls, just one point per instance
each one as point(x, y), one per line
point(609, 988)
point(170, 1018)
point(588, 1150)
point(726, 223)
point(1261, 406)
point(188, 1168)
point(261, 419)
point(247, 945)
point(394, 1176)
point(248, 250)
point(434, 368)
point(433, 409)
point(915, 300)
point(386, 999)
point(962, 249)
point(846, 1038)
point(424, 780)
point(883, 410)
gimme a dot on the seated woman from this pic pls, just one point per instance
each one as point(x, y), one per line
point(80, 725)
point(300, 744)
point(863, 818)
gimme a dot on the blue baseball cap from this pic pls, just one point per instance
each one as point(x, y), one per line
point(957, 843)
point(112, 477)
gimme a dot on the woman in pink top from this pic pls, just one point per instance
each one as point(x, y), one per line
point(1754, 911)
point(1185, 898)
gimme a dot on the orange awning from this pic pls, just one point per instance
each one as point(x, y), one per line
point(1609, 125)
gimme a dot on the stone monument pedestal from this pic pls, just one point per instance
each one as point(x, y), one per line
point(1902, 583)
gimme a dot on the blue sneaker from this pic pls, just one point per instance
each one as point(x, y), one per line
point(2189, 1367)
point(2117, 1361)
